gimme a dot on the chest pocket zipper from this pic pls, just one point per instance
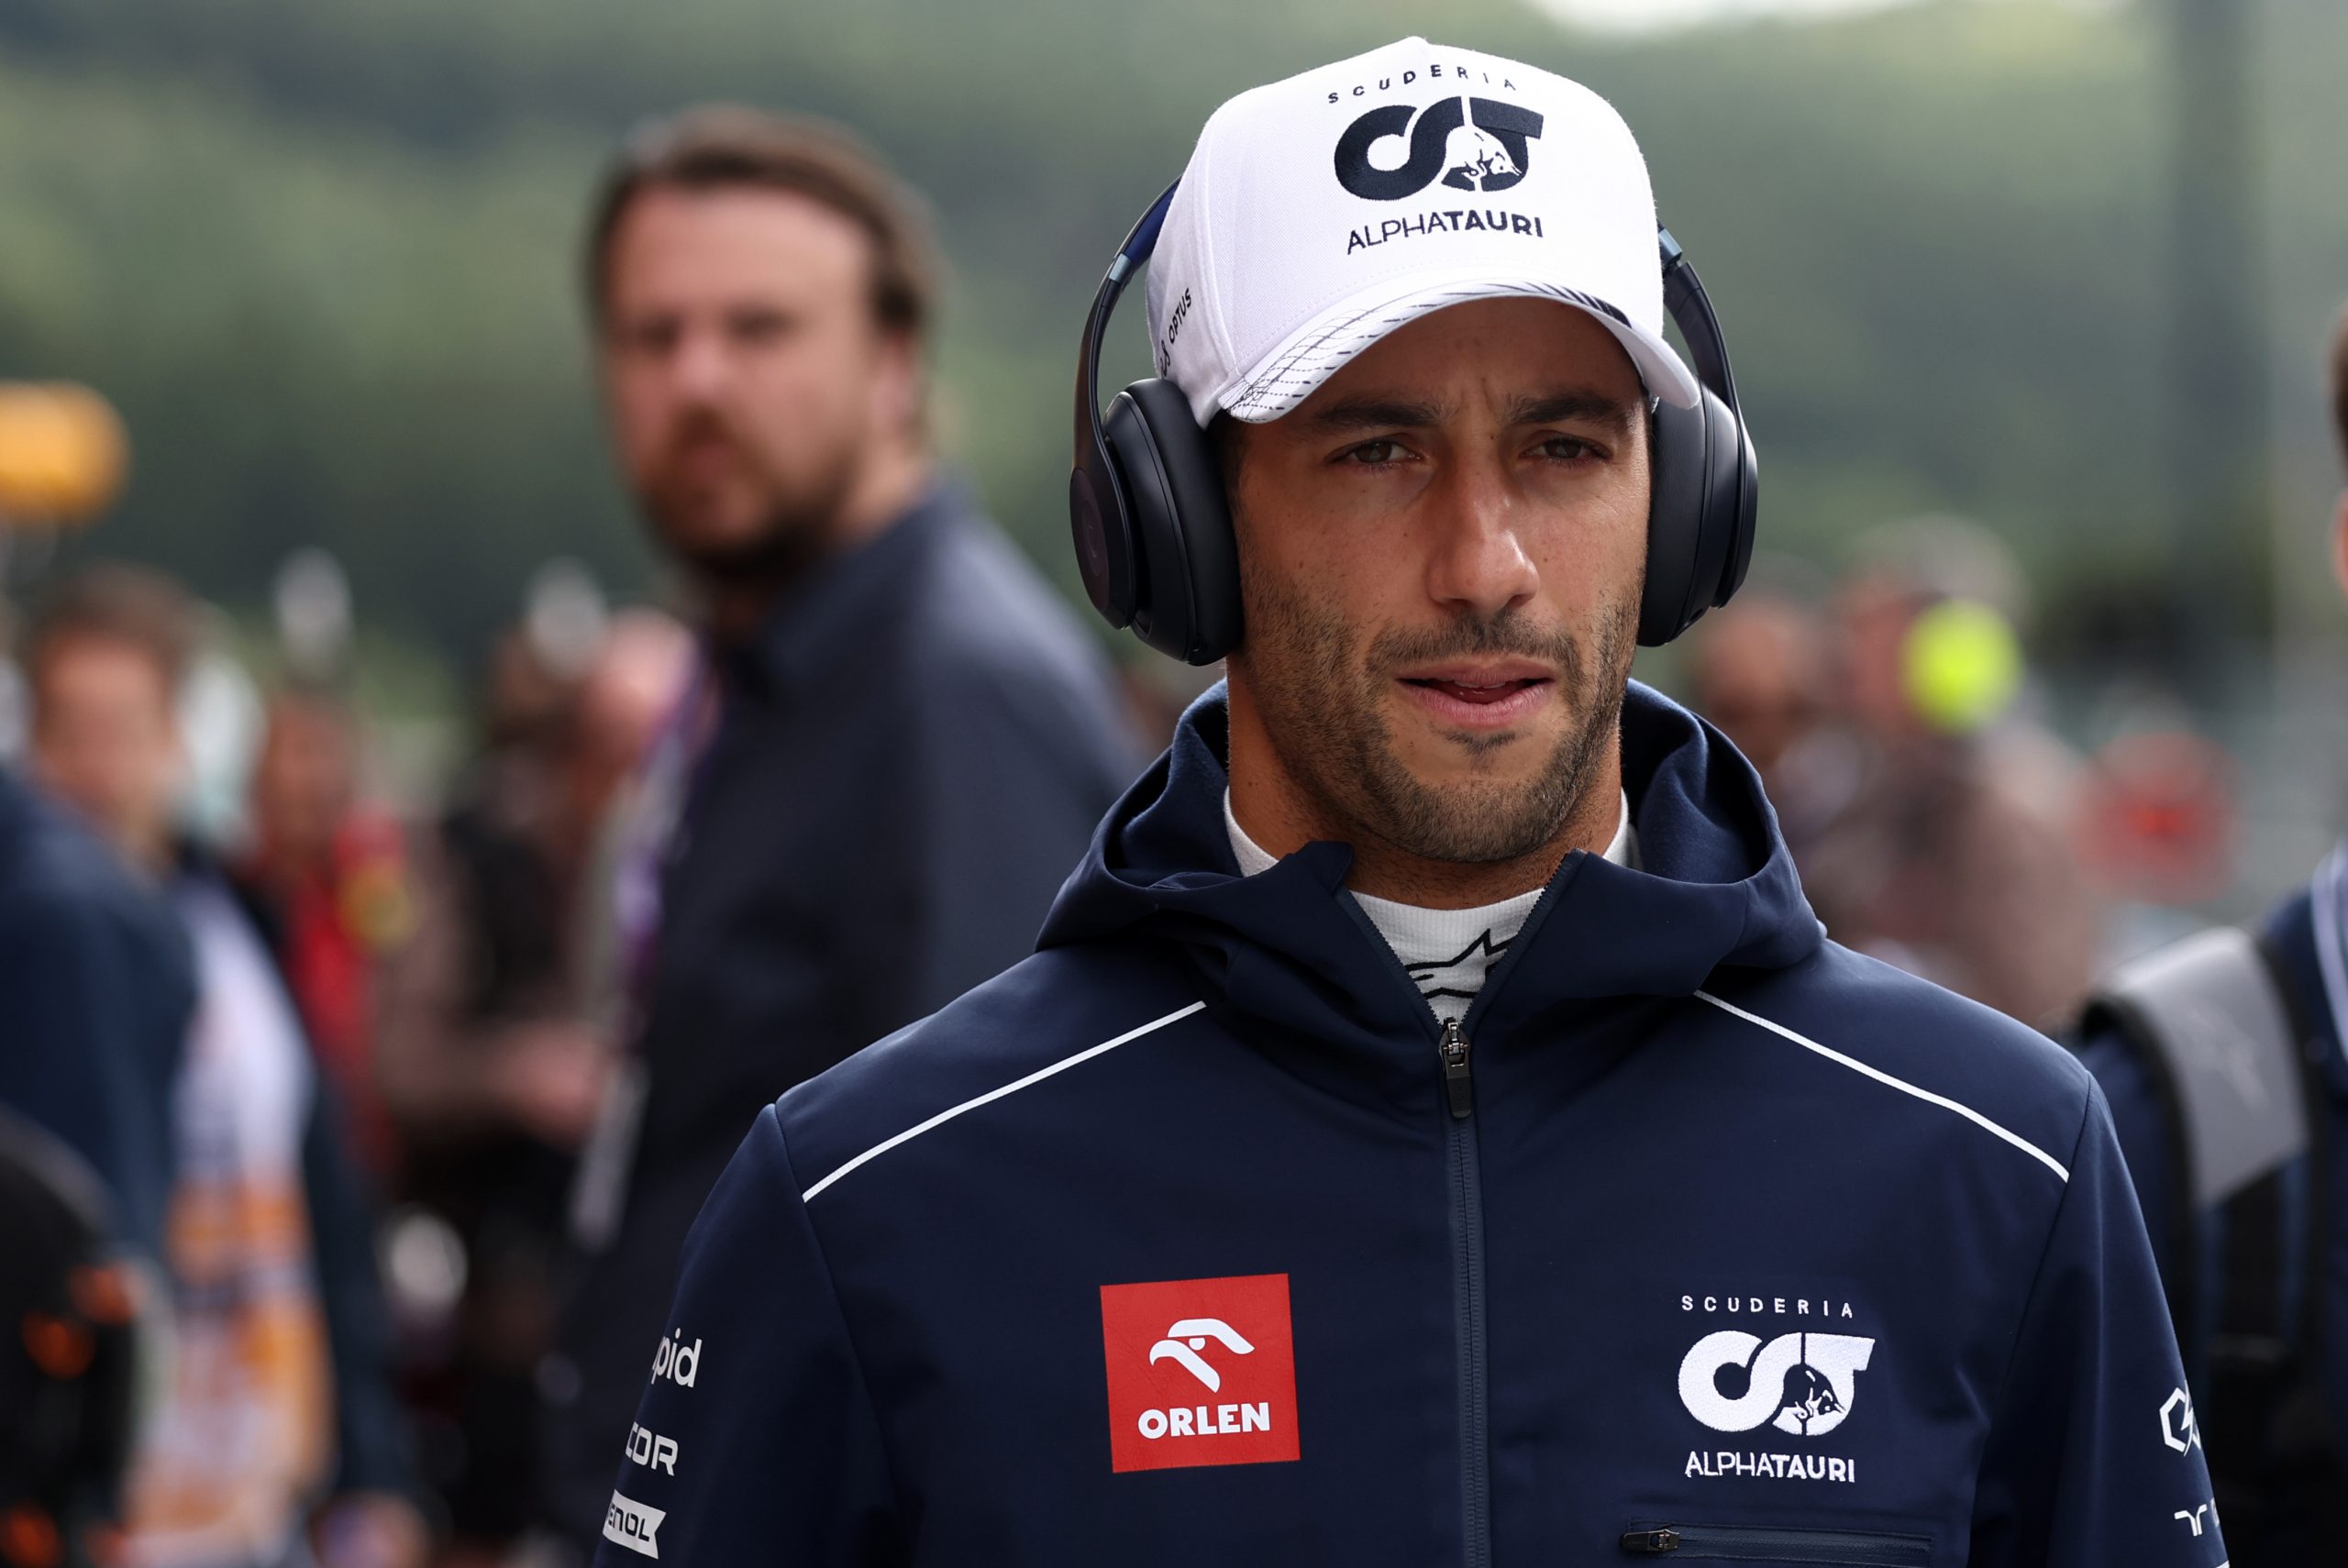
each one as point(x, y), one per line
point(1764, 1544)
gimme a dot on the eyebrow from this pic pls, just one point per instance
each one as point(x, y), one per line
point(1552, 408)
point(1587, 407)
point(1366, 412)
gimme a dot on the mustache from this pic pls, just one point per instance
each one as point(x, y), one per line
point(1508, 632)
point(699, 423)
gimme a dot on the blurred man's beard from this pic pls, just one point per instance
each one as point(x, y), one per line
point(791, 524)
point(1323, 699)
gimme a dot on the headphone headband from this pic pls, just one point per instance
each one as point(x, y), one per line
point(1096, 495)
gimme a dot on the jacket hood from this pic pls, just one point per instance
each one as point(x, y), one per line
point(1716, 889)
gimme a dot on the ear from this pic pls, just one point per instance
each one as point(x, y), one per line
point(2339, 544)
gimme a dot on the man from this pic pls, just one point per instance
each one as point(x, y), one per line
point(2225, 1057)
point(1760, 671)
point(899, 740)
point(1953, 855)
point(278, 1398)
point(1434, 1129)
point(497, 1035)
point(326, 880)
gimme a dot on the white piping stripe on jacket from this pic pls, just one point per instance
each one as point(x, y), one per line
point(1038, 1075)
point(2024, 1144)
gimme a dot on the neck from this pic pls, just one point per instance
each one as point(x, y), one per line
point(151, 848)
point(884, 489)
point(1283, 813)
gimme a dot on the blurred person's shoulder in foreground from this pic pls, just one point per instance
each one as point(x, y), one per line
point(2225, 1058)
point(97, 987)
point(897, 740)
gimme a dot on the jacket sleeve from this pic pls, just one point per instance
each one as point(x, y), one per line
point(2140, 1115)
point(2094, 1456)
point(756, 1439)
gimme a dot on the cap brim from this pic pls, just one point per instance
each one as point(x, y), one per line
point(1294, 370)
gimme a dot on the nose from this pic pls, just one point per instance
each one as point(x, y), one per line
point(701, 364)
point(1478, 565)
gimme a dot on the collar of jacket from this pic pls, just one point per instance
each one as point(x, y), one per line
point(828, 615)
point(1716, 889)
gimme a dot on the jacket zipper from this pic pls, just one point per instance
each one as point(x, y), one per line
point(1468, 1295)
point(1764, 1544)
point(1463, 1172)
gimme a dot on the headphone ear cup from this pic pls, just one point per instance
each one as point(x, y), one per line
point(1700, 512)
point(1187, 606)
point(1104, 543)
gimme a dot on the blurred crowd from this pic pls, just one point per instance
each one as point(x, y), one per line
point(400, 1102)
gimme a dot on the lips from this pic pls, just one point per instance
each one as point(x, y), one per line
point(1462, 692)
point(1480, 696)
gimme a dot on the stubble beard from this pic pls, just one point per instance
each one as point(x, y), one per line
point(1323, 699)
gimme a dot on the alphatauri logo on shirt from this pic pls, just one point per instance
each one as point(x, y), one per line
point(1200, 1371)
point(1800, 1383)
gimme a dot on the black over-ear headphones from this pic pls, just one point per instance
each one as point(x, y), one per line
point(1153, 528)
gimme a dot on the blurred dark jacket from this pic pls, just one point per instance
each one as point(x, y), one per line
point(96, 989)
point(905, 766)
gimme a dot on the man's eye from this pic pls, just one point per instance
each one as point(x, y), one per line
point(1568, 449)
point(1375, 454)
point(651, 339)
point(759, 327)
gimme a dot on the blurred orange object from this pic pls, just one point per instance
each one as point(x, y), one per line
point(62, 453)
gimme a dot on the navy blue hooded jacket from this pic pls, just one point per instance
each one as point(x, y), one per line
point(1182, 1243)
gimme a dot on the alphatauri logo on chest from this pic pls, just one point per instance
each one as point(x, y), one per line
point(1200, 1371)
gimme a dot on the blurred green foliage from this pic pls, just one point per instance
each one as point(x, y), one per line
point(322, 252)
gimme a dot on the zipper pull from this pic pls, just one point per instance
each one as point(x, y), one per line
point(1458, 1084)
point(1650, 1542)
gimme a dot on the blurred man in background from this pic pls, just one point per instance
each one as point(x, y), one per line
point(499, 1027)
point(1760, 669)
point(326, 880)
point(2225, 1058)
point(278, 1398)
point(1953, 855)
point(896, 744)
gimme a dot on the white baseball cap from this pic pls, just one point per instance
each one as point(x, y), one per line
point(1319, 214)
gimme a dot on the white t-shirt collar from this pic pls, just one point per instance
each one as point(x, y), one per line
point(1447, 952)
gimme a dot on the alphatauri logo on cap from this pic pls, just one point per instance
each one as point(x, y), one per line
point(1469, 144)
point(1200, 1371)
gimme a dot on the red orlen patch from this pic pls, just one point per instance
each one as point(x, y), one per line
point(1200, 1371)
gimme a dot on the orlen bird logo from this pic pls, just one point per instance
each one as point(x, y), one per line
point(1470, 144)
point(1186, 1339)
point(1200, 1371)
point(1798, 1383)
